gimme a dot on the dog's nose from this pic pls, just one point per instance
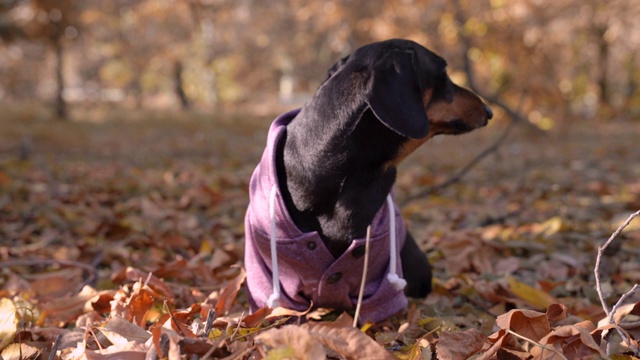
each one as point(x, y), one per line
point(488, 111)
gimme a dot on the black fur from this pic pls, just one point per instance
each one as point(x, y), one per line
point(339, 154)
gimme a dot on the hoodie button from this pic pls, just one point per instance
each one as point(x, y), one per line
point(358, 252)
point(334, 278)
point(311, 245)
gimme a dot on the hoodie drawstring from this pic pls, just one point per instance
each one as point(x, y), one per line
point(397, 282)
point(272, 302)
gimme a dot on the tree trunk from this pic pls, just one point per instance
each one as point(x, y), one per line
point(603, 60)
point(60, 104)
point(178, 85)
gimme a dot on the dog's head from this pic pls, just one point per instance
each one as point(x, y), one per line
point(407, 88)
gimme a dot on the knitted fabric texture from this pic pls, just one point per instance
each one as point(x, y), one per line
point(308, 272)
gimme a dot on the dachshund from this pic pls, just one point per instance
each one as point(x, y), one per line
point(326, 176)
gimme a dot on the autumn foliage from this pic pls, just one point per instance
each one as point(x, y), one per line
point(124, 239)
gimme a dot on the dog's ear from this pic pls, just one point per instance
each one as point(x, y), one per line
point(337, 66)
point(395, 95)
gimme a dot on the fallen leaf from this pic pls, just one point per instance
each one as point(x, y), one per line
point(528, 323)
point(67, 308)
point(129, 351)
point(459, 345)
point(574, 341)
point(229, 292)
point(552, 226)
point(292, 341)
point(556, 312)
point(530, 294)
point(19, 352)
point(8, 322)
point(126, 330)
point(347, 341)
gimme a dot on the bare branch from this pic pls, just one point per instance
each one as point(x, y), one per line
point(462, 172)
point(596, 270)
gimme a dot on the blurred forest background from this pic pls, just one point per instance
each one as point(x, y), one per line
point(129, 130)
point(556, 60)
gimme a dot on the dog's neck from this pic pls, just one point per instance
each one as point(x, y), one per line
point(336, 173)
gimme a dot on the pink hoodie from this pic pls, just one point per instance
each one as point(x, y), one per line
point(307, 271)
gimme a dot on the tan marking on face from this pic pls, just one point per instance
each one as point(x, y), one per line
point(465, 108)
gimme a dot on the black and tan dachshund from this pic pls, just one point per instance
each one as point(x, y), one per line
point(333, 165)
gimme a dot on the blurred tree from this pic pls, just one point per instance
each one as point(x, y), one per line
point(54, 22)
point(564, 57)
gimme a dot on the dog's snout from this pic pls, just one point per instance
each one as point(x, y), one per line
point(488, 111)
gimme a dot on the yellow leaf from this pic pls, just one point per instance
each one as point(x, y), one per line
point(206, 247)
point(550, 227)
point(8, 322)
point(528, 293)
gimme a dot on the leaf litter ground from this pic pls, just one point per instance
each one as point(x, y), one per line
point(123, 237)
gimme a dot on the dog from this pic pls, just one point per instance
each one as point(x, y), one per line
point(327, 173)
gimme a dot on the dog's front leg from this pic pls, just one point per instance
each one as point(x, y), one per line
point(415, 268)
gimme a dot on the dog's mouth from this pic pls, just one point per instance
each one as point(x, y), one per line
point(459, 126)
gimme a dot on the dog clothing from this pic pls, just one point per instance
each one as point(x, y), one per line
point(292, 269)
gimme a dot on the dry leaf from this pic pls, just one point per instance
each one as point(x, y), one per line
point(19, 352)
point(229, 292)
point(530, 294)
point(347, 341)
point(293, 340)
point(574, 341)
point(556, 312)
point(528, 323)
point(459, 345)
point(67, 308)
point(125, 329)
point(128, 351)
point(8, 322)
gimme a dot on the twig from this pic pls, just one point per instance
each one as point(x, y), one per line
point(462, 172)
point(54, 348)
point(174, 320)
point(364, 277)
point(515, 116)
point(211, 316)
point(596, 270)
point(536, 343)
point(622, 299)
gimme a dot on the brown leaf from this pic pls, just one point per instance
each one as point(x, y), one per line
point(154, 282)
point(528, 323)
point(256, 318)
point(496, 342)
point(139, 303)
point(556, 312)
point(67, 308)
point(125, 329)
point(294, 342)
point(466, 252)
point(18, 351)
point(347, 341)
point(229, 292)
point(129, 351)
point(574, 341)
point(56, 284)
point(459, 345)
